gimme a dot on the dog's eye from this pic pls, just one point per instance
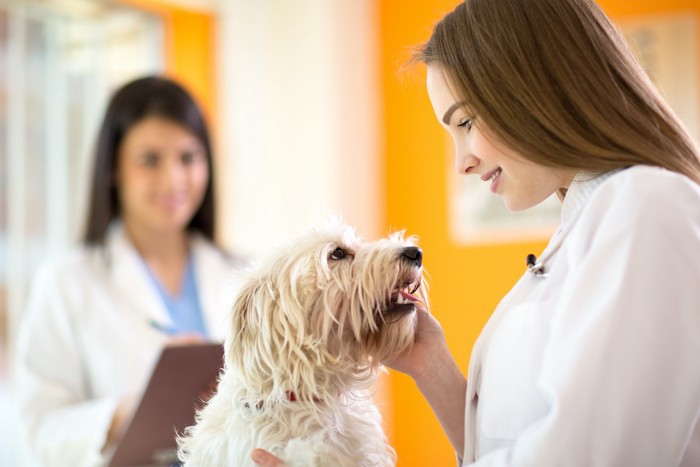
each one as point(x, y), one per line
point(338, 253)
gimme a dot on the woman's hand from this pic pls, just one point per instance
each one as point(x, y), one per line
point(185, 338)
point(121, 415)
point(437, 375)
point(265, 459)
point(428, 342)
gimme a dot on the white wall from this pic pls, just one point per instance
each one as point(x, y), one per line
point(299, 135)
point(62, 65)
point(58, 64)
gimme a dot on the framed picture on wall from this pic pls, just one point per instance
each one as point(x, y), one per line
point(667, 46)
point(477, 216)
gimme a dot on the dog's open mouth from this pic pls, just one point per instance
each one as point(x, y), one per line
point(403, 299)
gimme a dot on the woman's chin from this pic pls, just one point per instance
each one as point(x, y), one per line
point(516, 204)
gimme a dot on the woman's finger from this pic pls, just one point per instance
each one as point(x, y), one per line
point(265, 459)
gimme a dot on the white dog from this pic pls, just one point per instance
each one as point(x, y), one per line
point(309, 331)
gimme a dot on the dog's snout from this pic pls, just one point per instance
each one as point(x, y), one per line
point(413, 254)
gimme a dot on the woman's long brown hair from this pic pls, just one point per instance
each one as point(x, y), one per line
point(555, 81)
point(133, 102)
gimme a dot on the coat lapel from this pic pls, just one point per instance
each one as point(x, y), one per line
point(217, 283)
point(473, 381)
point(132, 282)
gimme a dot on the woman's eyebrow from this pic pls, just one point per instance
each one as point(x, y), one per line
point(450, 111)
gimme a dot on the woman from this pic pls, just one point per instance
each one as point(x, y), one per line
point(147, 275)
point(591, 359)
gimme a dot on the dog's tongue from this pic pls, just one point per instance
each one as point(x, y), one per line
point(402, 298)
point(408, 296)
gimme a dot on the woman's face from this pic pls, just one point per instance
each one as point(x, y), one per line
point(161, 176)
point(520, 182)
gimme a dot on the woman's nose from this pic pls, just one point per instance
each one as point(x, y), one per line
point(465, 161)
point(173, 171)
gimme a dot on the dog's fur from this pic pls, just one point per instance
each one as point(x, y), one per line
point(308, 334)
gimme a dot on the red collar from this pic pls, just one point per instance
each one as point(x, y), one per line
point(291, 397)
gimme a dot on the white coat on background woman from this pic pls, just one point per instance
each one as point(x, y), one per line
point(148, 275)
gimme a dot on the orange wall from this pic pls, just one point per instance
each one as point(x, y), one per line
point(466, 282)
point(189, 49)
point(625, 7)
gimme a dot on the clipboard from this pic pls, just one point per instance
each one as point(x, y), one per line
point(168, 405)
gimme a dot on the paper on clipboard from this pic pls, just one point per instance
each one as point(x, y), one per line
point(181, 375)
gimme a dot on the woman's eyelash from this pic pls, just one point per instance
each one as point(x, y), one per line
point(466, 123)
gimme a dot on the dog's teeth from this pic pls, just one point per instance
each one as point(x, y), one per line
point(401, 300)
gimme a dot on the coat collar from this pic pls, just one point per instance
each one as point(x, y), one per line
point(578, 194)
point(130, 277)
point(212, 269)
point(217, 284)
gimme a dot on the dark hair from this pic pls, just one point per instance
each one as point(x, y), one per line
point(555, 80)
point(144, 97)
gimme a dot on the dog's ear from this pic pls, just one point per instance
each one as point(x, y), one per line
point(246, 320)
point(269, 347)
point(260, 336)
point(243, 304)
point(258, 306)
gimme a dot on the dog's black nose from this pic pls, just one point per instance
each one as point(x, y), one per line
point(413, 254)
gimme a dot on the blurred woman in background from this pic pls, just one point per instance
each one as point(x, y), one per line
point(148, 274)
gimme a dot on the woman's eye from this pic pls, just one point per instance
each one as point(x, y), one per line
point(466, 123)
point(338, 253)
point(149, 159)
point(191, 157)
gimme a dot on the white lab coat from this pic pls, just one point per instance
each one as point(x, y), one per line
point(598, 363)
point(86, 341)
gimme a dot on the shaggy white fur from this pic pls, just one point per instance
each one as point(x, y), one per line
point(309, 331)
